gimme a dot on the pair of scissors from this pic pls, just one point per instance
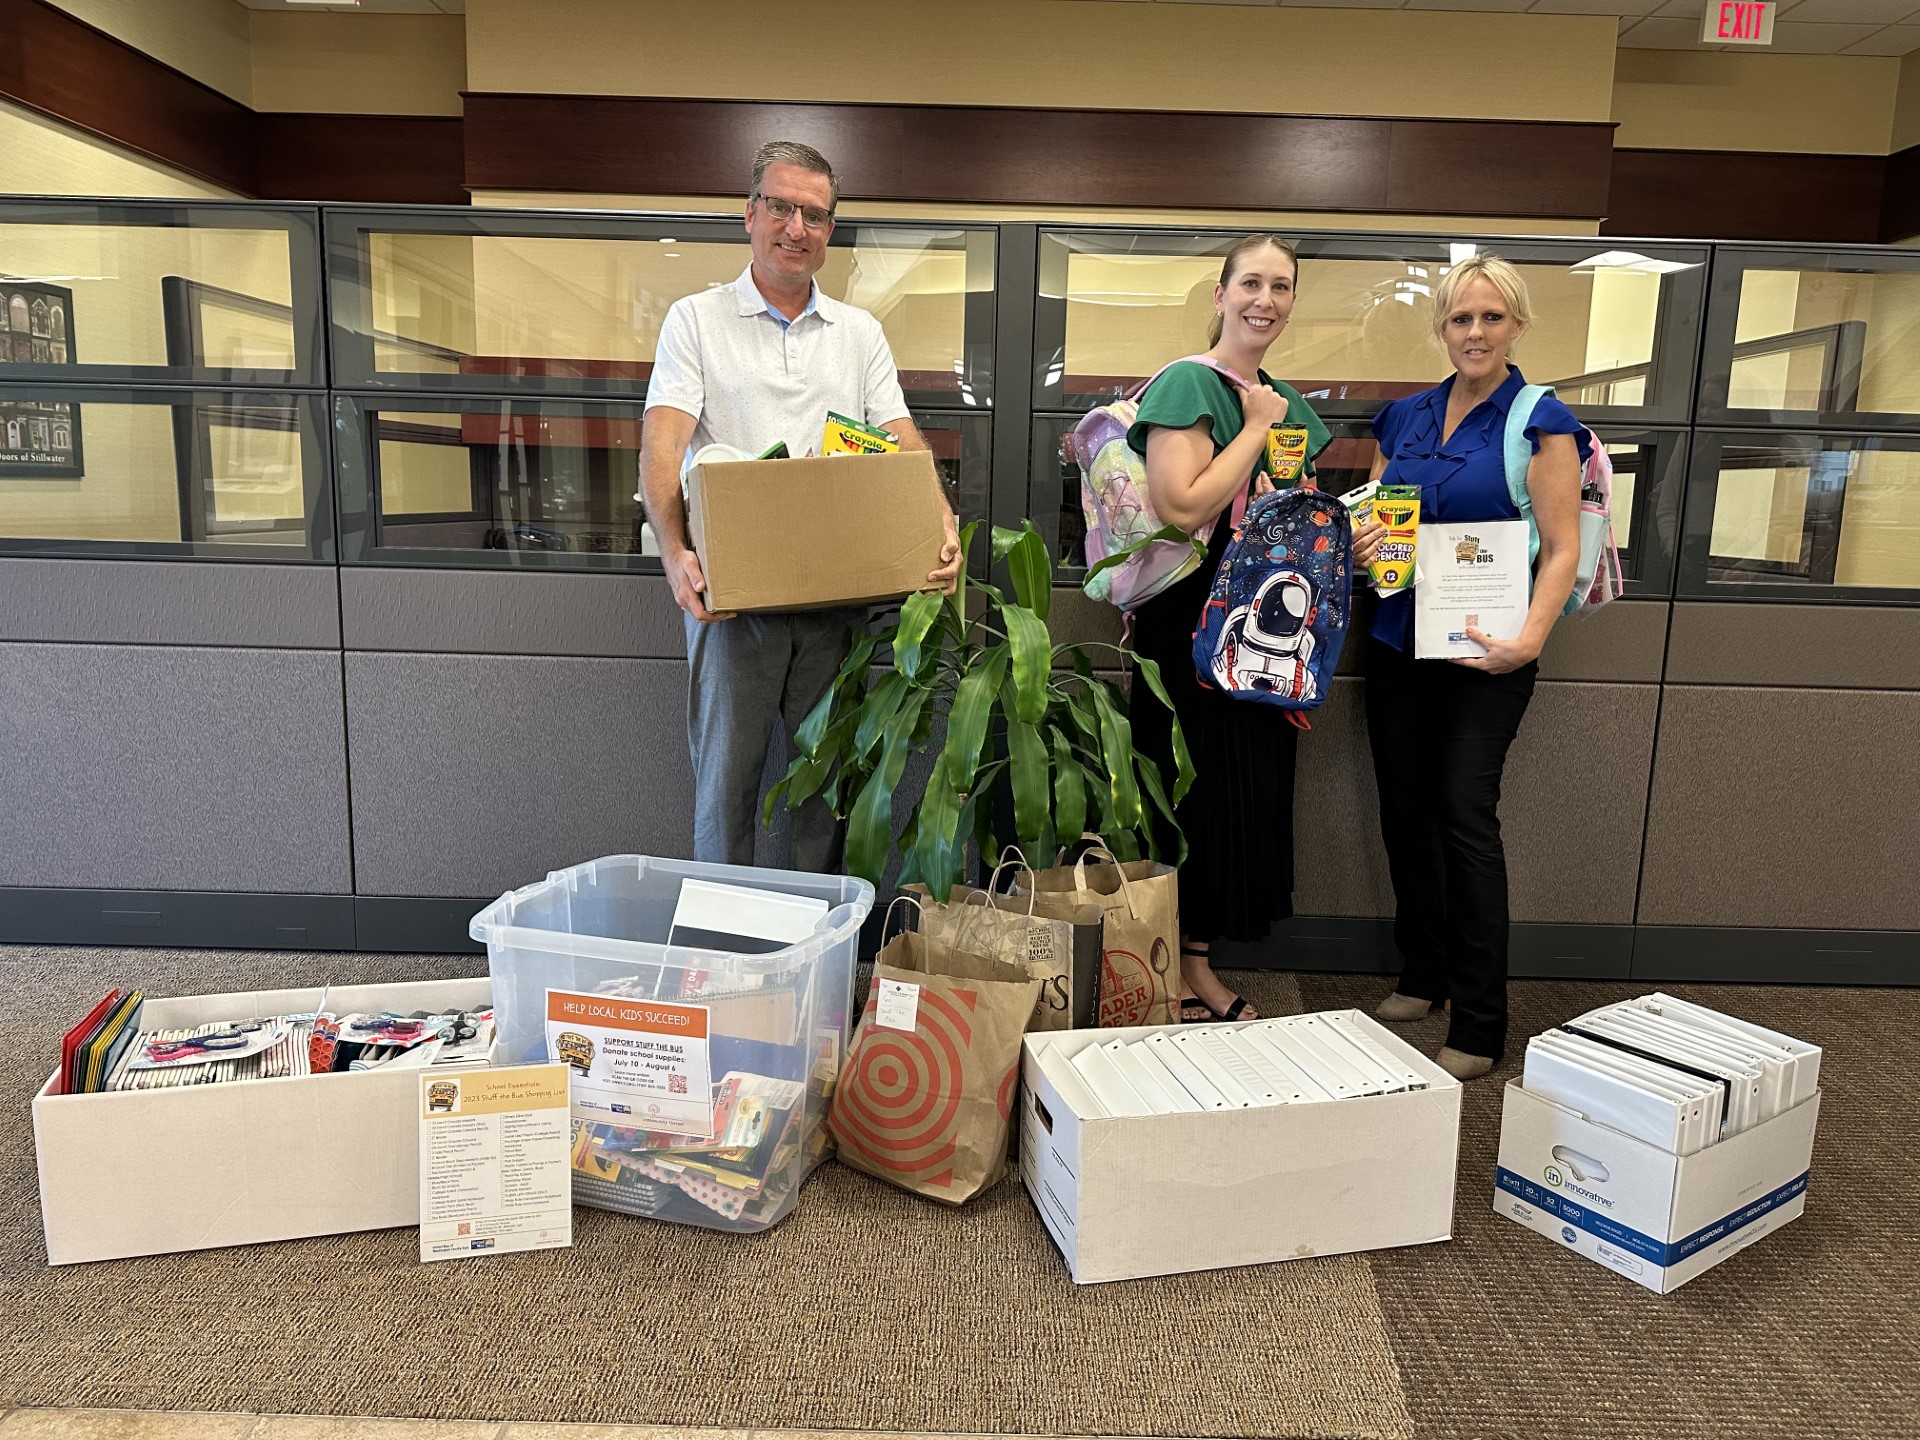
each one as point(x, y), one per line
point(236, 1038)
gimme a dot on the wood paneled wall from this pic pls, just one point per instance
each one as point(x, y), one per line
point(1062, 157)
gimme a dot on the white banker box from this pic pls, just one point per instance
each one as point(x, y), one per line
point(1658, 1218)
point(1131, 1196)
point(144, 1172)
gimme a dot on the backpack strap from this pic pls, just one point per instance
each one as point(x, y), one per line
point(1206, 360)
point(1519, 456)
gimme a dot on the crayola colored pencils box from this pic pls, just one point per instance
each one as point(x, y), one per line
point(1398, 508)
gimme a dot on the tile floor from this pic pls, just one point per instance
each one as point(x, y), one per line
point(174, 1425)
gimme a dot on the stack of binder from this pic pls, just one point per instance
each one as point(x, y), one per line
point(1676, 1074)
point(1302, 1059)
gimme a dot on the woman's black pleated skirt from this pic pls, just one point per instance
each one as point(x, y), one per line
point(1238, 817)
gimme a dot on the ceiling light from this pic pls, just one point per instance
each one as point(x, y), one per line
point(1628, 260)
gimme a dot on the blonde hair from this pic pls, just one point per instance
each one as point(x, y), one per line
point(1241, 249)
point(1497, 273)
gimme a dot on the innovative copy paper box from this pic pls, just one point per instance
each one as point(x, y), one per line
point(1125, 1197)
point(807, 534)
point(1658, 1218)
point(144, 1172)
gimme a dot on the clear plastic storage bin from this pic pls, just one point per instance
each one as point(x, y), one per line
point(777, 1027)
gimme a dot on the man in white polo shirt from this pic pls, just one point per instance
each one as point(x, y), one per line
point(760, 361)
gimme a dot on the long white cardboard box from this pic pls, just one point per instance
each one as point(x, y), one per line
point(144, 1172)
point(1125, 1197)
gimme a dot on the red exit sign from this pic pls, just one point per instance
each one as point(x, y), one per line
point(1739, 22)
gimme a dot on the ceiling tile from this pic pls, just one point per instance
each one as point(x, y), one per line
point(1845, 12)
point(1663, 33)
point(1468, 4)
point(1894, 40)
point(1790, 38)
point(1219, 2)
point(1344, 4)
point(1595, 7)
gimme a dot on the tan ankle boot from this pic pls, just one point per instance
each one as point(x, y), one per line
point(1461, 1065)
point(1403, 1007)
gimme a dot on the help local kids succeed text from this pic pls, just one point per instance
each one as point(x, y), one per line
point(641, 1063)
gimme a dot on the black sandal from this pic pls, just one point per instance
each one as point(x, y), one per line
point(1194, 1010)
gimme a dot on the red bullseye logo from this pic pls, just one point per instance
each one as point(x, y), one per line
point(897, 1107)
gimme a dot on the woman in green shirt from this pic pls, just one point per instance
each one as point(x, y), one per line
point(1204, 435)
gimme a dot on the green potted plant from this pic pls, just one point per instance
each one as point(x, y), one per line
point(1026, 720)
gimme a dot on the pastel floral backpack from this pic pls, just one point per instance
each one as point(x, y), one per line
point(1132, 555)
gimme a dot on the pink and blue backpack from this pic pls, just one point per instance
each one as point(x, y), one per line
point(1273, 627)
point(1132, 555)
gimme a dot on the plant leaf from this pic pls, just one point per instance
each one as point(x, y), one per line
point(1029, 565)
point(1069, 788)
point(967, 721)
point(1127, 552)
point(1032, 814)
point(877, 712)
point(1155, 786)
point(917, 614)
point(806, 739)
point(1116, 746)
point(1182, 759)
point(870, 827)
point(1032, 650)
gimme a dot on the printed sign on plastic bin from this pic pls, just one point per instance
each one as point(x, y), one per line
point(639, 1063)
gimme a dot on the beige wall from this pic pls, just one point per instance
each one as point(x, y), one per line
point(1906, 114)
point(206, 39)
point(336, 64)
point(45, 157)
point(1823, 104)
point(1045, 52)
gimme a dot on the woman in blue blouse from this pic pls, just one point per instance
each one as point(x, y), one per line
point(1440, 729)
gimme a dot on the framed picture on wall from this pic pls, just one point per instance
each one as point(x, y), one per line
point(38, 438)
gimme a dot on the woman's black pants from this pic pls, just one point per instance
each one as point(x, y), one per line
point(1440, 734)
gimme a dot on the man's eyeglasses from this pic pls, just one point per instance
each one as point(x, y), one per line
point(812, 216)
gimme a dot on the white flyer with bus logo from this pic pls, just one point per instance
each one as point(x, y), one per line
point(636, 1063)
point(1471, 577)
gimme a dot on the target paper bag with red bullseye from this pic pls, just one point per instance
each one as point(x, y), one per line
point(927, 1092)
point(1140, 949)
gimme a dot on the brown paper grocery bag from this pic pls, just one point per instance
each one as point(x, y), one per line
point(1057, 944)
point(1140, 951)
point(927, 1092)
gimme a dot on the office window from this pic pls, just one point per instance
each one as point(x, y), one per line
point(575, 305)
point(1826, 338)
point(197, 294)
point(1611, 328)
point(237, 475)
point(1781, 513)
point(545, 483)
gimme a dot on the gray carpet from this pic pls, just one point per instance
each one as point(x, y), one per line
point(868, 1309)
point(1810, 1332)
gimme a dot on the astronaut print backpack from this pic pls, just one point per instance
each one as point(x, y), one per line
point(1273, 626)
